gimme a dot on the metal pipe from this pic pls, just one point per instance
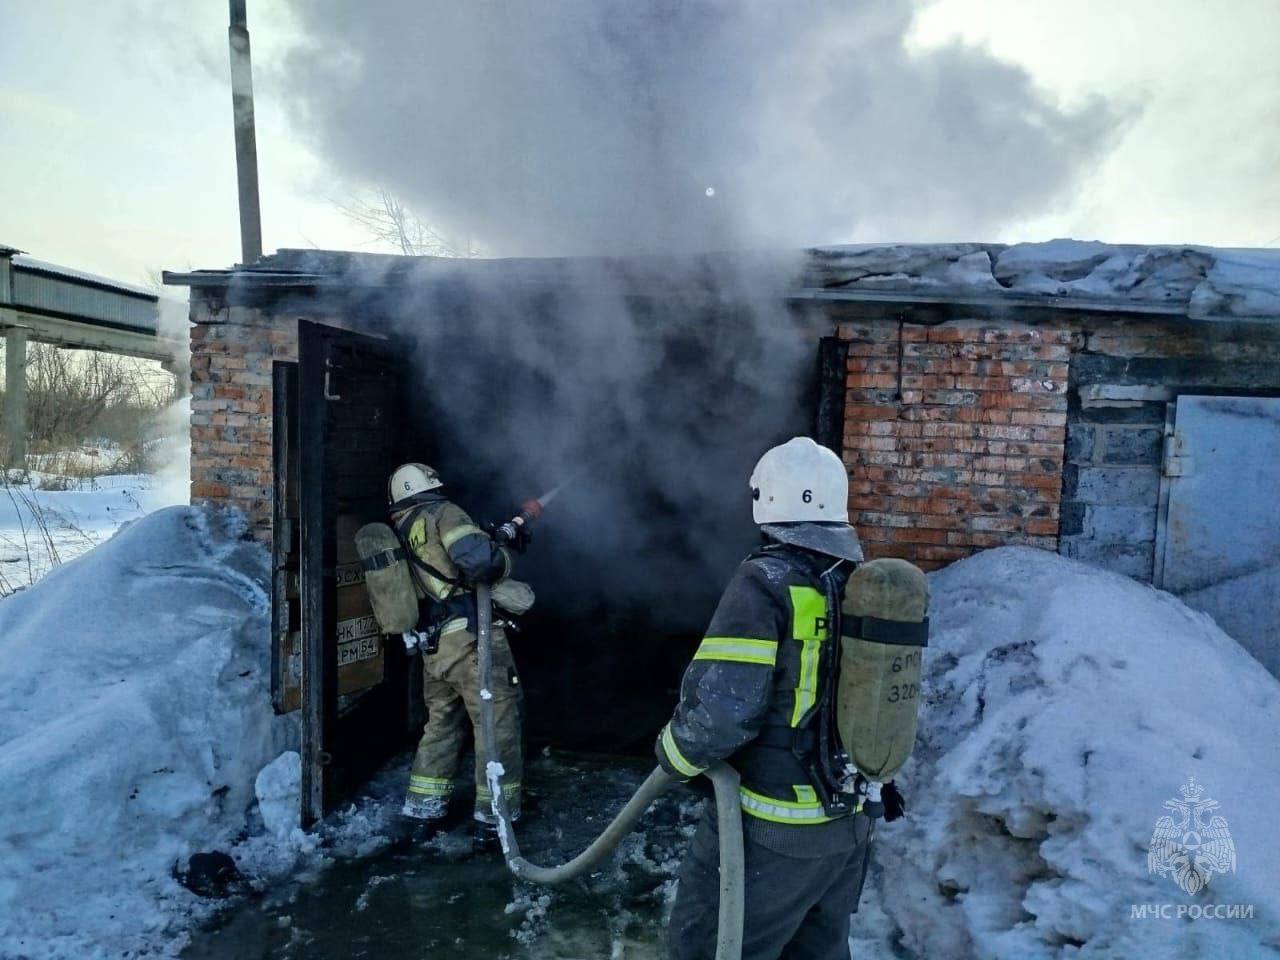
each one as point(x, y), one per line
point(246, 136)
point(15, 397)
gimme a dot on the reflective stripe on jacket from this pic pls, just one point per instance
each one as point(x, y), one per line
point(760, 667)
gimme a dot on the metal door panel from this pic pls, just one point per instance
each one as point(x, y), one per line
point(354, 684)
point(1220, 535)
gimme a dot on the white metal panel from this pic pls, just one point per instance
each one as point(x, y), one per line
point(1221, 532)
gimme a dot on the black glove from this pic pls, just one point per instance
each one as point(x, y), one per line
point(516, 536)
point(895, 807)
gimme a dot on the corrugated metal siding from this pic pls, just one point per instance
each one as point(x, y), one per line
point(51, 295)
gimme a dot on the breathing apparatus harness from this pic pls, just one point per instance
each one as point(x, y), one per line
point(815, 744)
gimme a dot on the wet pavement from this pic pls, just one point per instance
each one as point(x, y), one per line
point(451, 897)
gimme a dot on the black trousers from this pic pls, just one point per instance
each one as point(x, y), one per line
point(797, 908)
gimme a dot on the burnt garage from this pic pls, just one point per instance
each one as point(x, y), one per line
point(1118, 404)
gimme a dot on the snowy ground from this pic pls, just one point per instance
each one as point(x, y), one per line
point(41, 527)
point(1063, 707)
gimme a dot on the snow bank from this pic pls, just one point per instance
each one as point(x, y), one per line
point(1063, 706)
point(134, 717)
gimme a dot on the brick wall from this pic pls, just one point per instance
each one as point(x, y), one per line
point(232, 351)
point(969, 453)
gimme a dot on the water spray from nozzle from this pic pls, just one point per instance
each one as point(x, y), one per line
point(515, 531)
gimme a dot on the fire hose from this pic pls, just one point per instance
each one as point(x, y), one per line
point(722, 776)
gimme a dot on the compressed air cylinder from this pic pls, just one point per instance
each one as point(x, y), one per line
point(885, 630)
point(387, 578)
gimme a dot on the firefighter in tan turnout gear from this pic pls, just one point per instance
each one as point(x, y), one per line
point(449, 554)
point(760, 694)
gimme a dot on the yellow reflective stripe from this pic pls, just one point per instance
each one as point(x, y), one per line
point(783, 811)
point(418, 533)
point(738, 650)
point(438, 589)
point(430, 786)
point(509, 790)
point(809, 626)
point(453, 626)
point(678, 759)
point(457, 533)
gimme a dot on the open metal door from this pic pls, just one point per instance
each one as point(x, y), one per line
point(354, 686)
point(1218, 542)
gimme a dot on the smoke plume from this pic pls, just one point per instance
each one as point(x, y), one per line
point(622, 127)
point(589, 126)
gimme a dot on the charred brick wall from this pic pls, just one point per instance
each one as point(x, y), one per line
point(954, 435)
point(232, 352)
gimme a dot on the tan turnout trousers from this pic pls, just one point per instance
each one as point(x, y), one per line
point(451, 689)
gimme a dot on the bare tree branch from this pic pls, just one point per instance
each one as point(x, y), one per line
point(389, 221)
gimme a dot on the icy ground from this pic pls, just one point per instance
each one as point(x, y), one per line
point(1063, 706)
point(41, 527)
point(447, 897)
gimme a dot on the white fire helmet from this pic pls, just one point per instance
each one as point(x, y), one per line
point(800, 493)
point(800, 481)
point(411, 479)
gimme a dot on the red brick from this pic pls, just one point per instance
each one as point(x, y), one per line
point(1040, 418)
point(1001, 384)
point(915, 381)
point(211, 491)
point(1042, 527)
point(865, 411)
point(921, 535)
point(882, 380)
point(950, 334)
point(941, 553)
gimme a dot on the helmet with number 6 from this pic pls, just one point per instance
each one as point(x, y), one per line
point(411, 479)
point(801, 496)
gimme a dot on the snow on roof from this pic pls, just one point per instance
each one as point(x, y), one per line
point(1206, 282)
point(26, 262)
point(1203, 283)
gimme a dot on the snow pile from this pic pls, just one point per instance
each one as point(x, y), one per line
point(278, 788)
point(134, 717)
point(1063, 706)
point(1206, 282)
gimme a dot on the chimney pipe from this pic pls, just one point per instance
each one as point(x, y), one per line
point(246, 139)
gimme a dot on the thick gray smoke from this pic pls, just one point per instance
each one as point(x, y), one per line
point(589, 126)
point(626, 126)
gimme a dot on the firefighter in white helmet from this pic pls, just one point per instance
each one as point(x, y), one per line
point(757, 694)
point(449, 554)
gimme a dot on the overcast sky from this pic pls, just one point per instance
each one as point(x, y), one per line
point(117, 151)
